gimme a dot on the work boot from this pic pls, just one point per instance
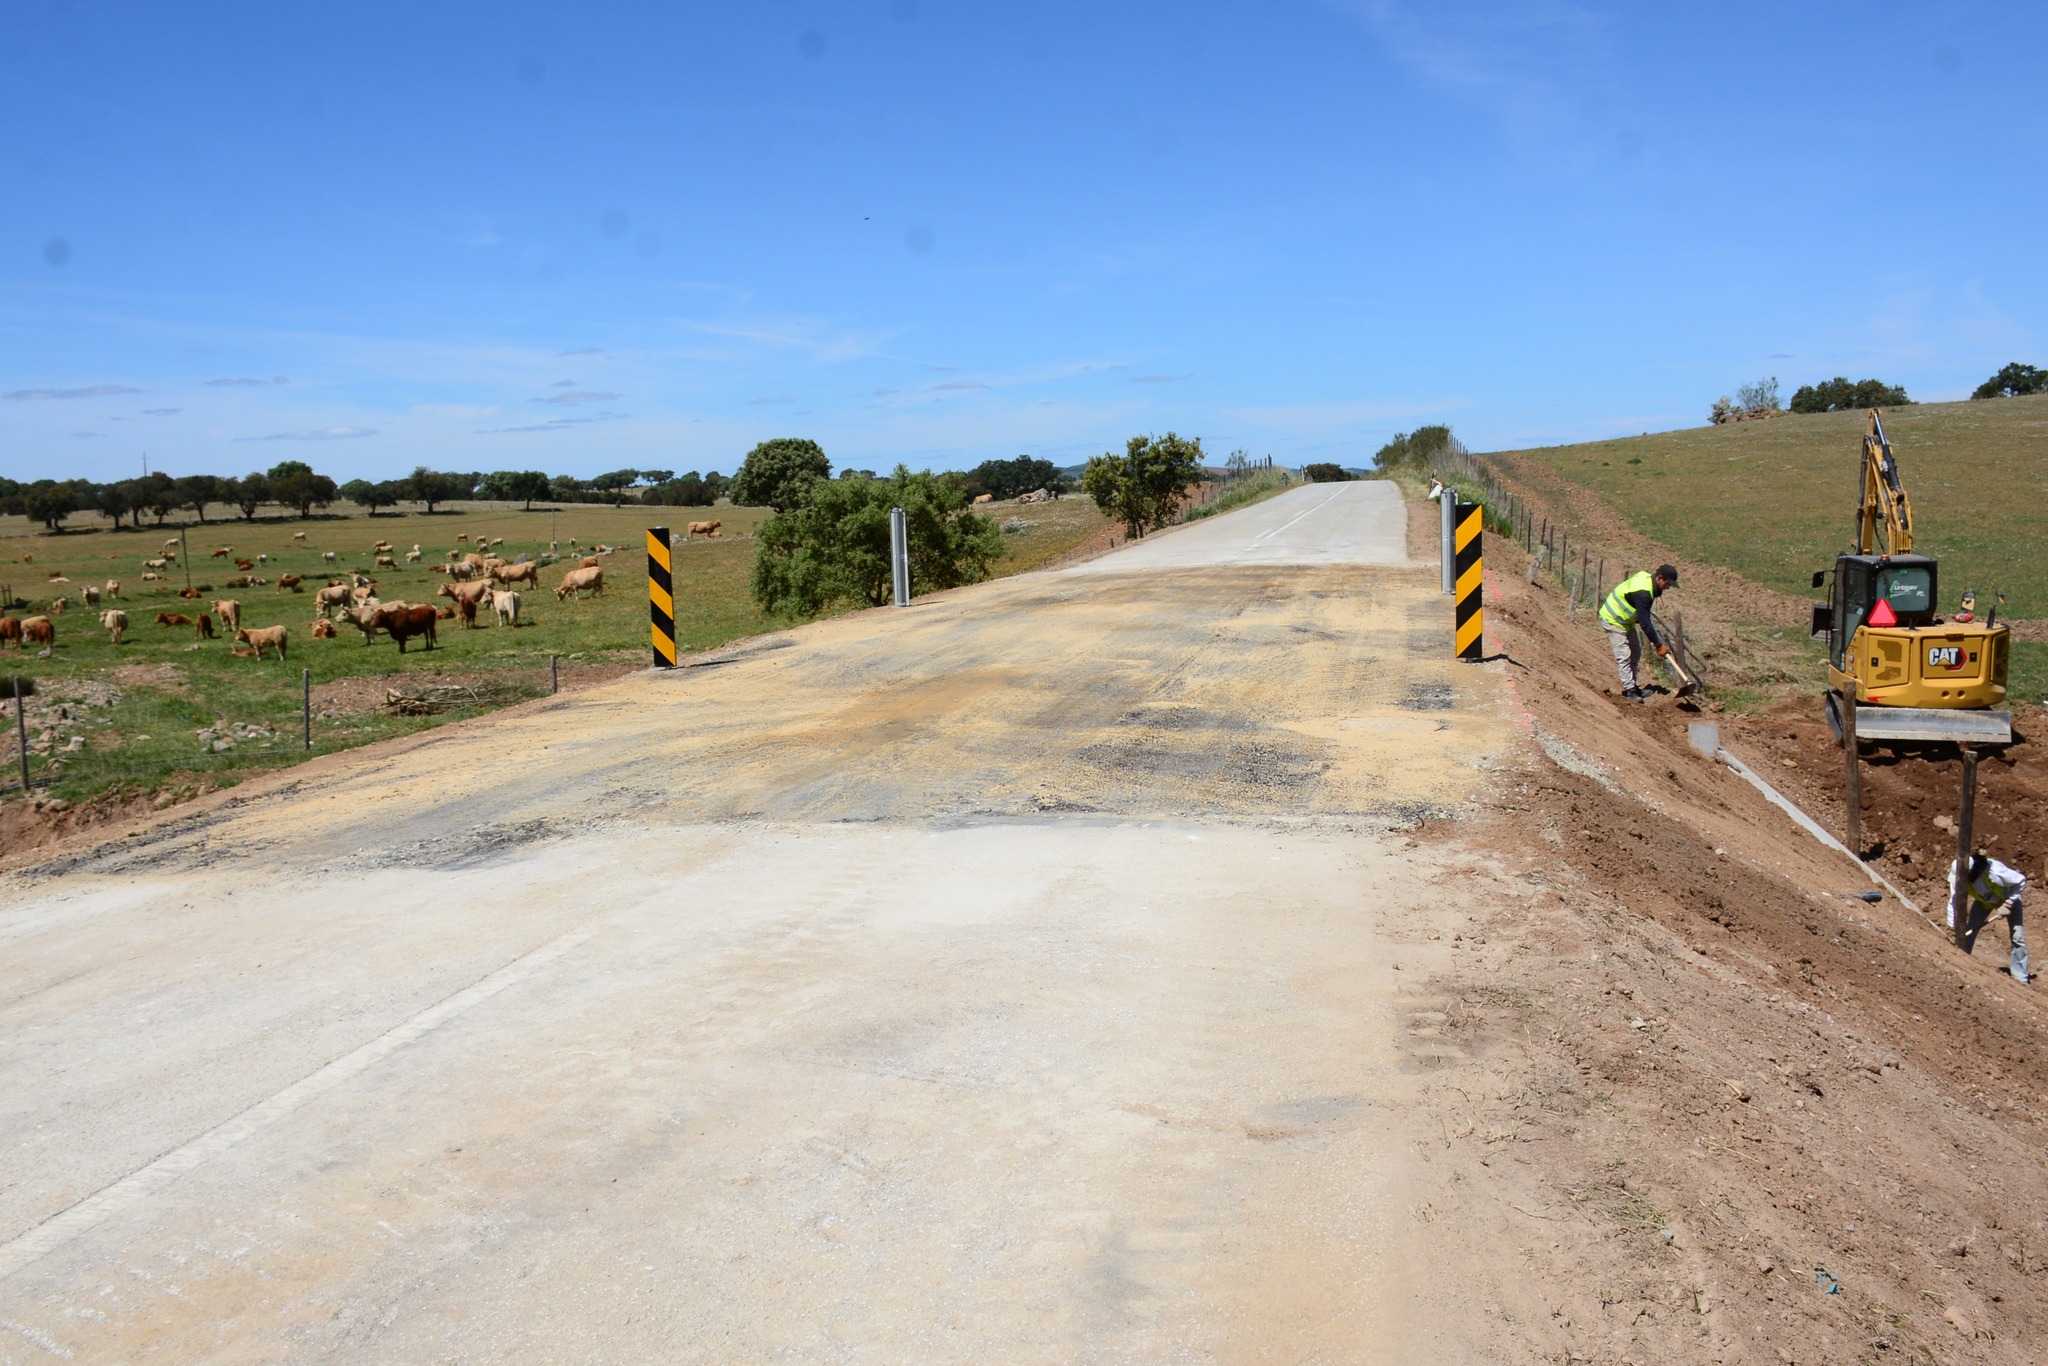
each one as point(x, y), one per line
point(1634, 694)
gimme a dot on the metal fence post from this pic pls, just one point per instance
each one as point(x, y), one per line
point(306, 701)
point(21, 729)
point(899, 556)
point(1447, 503)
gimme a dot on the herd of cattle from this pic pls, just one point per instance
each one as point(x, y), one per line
point(478, 580)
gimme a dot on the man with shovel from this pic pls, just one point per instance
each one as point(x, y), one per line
point(1992, 890)
point(1625, 616)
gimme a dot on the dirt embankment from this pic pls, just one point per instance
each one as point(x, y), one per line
point(1752, 1120)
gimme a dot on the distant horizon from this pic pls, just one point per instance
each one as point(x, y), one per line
point(527, 236)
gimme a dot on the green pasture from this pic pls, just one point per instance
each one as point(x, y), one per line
point(171, 685)
point(1776, 500)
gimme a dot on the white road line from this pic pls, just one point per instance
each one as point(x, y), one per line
point(139, 1185)
point(1291, 521)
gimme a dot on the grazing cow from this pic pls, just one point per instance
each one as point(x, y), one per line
point(59, 605)
point(462, 571)
point(509, 574)
point(577, 580)
point(323, 629)
point(327, 555)
point(173, 619)
point(699, 529)
point(506, 605)
point(497, 540)
point(10, 631)
point(37, 631)
point(466, 609)
point(472, 592)
point(385, 562)
point(170, 543)
point(412, 556)
point(402, 623)
point(380, 548)
point(334, 595)
point(362, 593)
point(157, 563)
point(462, 538)
point(298, 535)
point(230, 613)
point(91, 595)
point(113, 588)
point(291, 581)
point(221, 552)
point(244, 565)
point(202, 626)
point(981, 498)
point(364, 619)
point(263, 558)
point(261, 638)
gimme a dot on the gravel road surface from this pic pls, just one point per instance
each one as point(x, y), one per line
point(998, 978)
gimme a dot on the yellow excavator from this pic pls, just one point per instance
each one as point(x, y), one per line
point(1913, 675)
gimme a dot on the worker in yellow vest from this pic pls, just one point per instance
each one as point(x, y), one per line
point(1994, 890)
point(1625, 616)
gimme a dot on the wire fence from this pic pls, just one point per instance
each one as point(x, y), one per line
point(1576, 567)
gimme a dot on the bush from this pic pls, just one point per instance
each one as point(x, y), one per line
point(1324, 472)
point(833, 545)
point(1143, 487)
point(1840, 395)
point(776, 473)
point(2012, 381)
point(1416, 450)
point(1005, 479)
point(1760, 397)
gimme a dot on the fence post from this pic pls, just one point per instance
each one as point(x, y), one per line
point(21, 729)
point(306, 701)
point(1966, 821)
point(1447, 505)
point(554, 674)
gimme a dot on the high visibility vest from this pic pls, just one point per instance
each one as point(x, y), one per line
point(1618, 611)
point(1986, 893)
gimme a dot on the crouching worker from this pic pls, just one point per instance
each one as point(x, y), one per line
point(1993, 890)
point(1625, 616)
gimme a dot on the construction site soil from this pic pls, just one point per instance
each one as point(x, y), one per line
point(1753, 1119)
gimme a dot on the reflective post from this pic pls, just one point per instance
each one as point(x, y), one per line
point(1446, 502)
point(899, 556)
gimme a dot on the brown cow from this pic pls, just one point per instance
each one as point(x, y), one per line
point(261, 638)
point(222, 552)
point(472, 592)
point(116, 622)
point(577, 580)
point(364, 619)
point(588, 562)
point(323, 629)
point(446, 614)
point(189, 593)
point(10, 631)
point(403, 623)
point(509, 574)
point(385, 562)
point(173, 619)
point(701, 529)
point(466, 609)
point(113, 588)
point(202, 626)
point(291, 581)
point(37, 631)
point(244, 565)
point(230, 613)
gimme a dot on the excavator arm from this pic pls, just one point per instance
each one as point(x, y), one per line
point(1884, 504)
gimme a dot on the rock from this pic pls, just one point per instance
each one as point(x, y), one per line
point(1958, 1322)
point(1765, 1266)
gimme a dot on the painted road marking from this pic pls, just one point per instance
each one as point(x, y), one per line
point(1292, 520)
point(139, 1185)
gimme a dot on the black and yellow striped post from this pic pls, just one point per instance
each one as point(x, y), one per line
point(1467, 641)
point(661, 601)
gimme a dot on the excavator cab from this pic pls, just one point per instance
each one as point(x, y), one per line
point(1905, 584)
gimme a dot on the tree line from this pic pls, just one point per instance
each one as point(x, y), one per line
point(296, 485)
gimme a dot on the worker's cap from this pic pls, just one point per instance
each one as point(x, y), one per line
point(1668, 573)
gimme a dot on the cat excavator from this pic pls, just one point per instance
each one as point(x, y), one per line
point(1913, 675)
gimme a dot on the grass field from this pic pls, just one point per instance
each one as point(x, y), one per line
point(140, 706)
point(1776, 500)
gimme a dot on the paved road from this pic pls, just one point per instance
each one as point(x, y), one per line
point(1360, 523)
point(997, 978)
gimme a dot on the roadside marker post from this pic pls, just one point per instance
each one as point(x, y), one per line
point(1471, 618)
point(1447, 502)
point(899, 556)
point(661, 602)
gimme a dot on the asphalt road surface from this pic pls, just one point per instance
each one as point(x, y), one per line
point(997, 978)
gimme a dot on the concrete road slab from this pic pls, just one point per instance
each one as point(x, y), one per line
point(1358, 523)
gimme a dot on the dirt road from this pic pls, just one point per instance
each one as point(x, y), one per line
point(1002, 977)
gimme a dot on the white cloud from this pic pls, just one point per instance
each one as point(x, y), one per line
point(317, 434)
point(92, 391)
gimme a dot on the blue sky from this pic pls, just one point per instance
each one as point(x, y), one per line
point(485, 236)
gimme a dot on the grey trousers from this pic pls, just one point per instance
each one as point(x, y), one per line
point(1979, 918)
point(1628, 653)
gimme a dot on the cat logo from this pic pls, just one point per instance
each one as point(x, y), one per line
point(1944, 656)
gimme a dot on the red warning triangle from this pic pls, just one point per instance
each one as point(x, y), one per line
point(1883, 615)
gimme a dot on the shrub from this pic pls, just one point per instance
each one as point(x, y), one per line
point(832, 546)
point(1841, 395)
point(1143, 487)
point(776, 473)
point(2012, 381)
point(1415, 450)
